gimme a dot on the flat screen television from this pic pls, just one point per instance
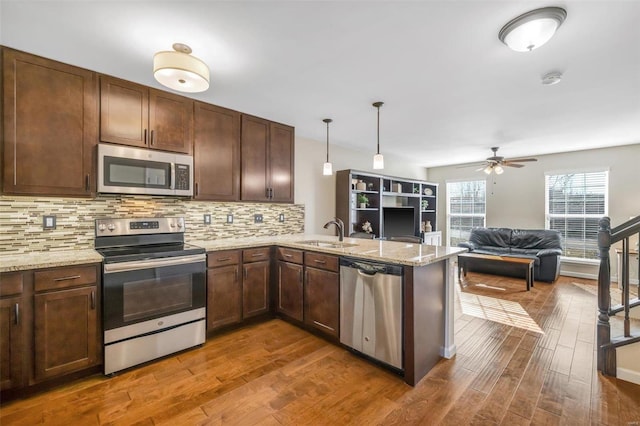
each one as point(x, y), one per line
point(398, 221)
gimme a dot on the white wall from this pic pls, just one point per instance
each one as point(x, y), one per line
point(516, 200)
point(318, 192)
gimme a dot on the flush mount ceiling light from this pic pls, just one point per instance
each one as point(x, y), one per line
point(378, 159)
point(532, 29)
point(180, 71)
point(327, 169)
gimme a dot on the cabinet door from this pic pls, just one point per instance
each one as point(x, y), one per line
point(11, 343)
point(171, 122)
point(255, 289)
point(124, 112)
point(290, 290)
point(254, 146)
point(216, 153)
point(66, 331)
point(50, 123)
point(322, 304)
point(281, 160)
point(224, 296)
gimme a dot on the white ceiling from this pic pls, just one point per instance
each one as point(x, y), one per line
point(451, 89)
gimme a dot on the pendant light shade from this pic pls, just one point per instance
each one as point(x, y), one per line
point(378, 159)
point(327, 169)
point(532, 29)
point(180, 71)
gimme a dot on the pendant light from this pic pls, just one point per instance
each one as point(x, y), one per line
point(378, 159)
point(327, 169)
point(180, 71)
point(532, 29)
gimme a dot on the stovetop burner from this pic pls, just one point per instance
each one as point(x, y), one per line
point(155, 251)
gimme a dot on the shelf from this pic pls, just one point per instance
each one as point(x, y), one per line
point(428, 196)
point(400, 194)
point(427, 211)
point(364, 191)
point(368, 209)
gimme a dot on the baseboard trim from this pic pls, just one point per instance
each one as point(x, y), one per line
point(579, 275)
point(628, 375)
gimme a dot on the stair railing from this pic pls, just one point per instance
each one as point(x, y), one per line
point(606, 237)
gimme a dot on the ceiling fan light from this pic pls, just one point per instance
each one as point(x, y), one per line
point(327, 169)
point(180, 71)
point(488, 169)
point(498, 169)
point(532, 29)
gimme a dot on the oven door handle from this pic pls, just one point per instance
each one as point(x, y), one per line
point(136, 265)
point(172, 184)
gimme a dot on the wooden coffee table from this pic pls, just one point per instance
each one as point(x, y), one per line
point(518, 263)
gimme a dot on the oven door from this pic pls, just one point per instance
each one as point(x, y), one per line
point(143, 290)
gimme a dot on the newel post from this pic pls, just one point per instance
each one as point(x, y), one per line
point(606, 359)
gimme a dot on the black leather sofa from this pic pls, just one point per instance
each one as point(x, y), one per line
point(544, 246)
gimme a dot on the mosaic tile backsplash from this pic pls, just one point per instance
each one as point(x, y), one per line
point(21, 219)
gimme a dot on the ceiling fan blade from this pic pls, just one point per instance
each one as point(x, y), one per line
point(513, 165)
point(520, 160)
point(472, 165)
point(480, 169)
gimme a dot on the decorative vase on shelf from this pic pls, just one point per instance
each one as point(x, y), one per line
point(427, 191)
point(361, 186)
point(428, 227)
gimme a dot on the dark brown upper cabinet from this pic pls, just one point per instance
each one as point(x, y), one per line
point(216, 153)
point(136, 115)
point(50, 126)
point(267, 161)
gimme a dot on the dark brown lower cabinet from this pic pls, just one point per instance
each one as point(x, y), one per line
point(322, 293)
point(66, 327)
point(11, 339)
point(255, 282)
point(290, 291)
point(224, 296)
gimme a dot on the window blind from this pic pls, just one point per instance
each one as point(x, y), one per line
point(466, 209)
point(574, 204)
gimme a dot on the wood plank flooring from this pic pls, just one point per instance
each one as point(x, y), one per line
point(505, 372)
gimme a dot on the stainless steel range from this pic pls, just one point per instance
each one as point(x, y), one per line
point(154, 290)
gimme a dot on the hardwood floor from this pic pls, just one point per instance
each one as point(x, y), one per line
point(532, 363)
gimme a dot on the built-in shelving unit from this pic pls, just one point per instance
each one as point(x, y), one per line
point(384, 192)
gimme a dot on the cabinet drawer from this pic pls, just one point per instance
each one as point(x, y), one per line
point(322, 261)
point(290, 255)
point(255, 255)
point(223, 258)
point(11, 284)
point(55, 279)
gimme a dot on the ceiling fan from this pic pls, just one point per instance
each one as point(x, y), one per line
point(495, 163)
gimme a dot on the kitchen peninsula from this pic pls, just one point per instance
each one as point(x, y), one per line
point(427, 298)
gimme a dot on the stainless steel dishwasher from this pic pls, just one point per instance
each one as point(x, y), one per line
point(371, 309)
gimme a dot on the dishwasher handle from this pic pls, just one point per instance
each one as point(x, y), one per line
point(371, 268)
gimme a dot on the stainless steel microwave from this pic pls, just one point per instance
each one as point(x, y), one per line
point(128, 170)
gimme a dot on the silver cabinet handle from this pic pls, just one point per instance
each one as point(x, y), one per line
point(93, 300)
point(70, 277)
point(322, 262)
point(16, 311)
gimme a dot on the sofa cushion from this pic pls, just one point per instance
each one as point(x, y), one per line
point(494, 237)
point(535, 239)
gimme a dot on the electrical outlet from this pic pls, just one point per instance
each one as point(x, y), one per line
point(207, 219)
point(48, 222)
point(229, 218)
point(257, 218)
point(281, 217)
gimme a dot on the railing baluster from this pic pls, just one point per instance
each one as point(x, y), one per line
point(604, 298)
point(625, 286)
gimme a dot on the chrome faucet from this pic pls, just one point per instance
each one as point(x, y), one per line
point(339, 224)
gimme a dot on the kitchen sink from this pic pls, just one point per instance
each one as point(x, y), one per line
point(328, 244)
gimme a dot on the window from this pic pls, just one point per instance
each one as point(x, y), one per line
point(466, 202)
point(574, 204)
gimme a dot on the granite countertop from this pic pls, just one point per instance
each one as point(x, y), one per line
point(47, 259)
point(376, 250)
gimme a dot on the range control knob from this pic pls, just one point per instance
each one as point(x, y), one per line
point(102, 227)
point(179, 224)
point(171, 224)
point(111, 227)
